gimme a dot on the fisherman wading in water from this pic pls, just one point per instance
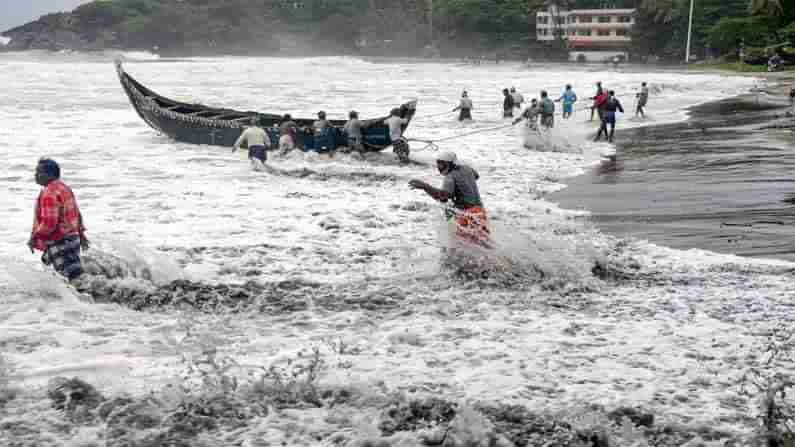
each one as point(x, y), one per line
point(58, 229)
point(353, 130)
point(257, 141)
point(460, 187)
point(611, 105)
point(465, 107)
point(600, 92)
point(288, 134)
point(399, 144)
point(518, 99)
point(507, 104)
point(547, 111)
point(643, 98)
point(531, 115)
point(569, 98)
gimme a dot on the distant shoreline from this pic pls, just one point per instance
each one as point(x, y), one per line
point(717, 181)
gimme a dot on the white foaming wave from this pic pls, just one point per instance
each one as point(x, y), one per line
point(4, 40)
point(38, 282)
point(143, 261)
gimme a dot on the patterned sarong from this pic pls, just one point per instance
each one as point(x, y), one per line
point(401, 149)
point(64, 256)
point(472, 225)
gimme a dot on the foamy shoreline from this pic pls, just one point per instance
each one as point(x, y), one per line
point(665, 332)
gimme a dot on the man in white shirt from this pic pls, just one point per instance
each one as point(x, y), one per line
point(518, 99)
point(257, 141)
point(465, 107)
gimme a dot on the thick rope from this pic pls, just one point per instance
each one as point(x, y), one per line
point(417, 118)
point(432, 144)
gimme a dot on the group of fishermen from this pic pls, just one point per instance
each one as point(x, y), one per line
point(59, 231)
point(540, 113)
point(258, 142)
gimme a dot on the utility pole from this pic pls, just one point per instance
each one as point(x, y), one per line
point(689, 32)
point(430, 21)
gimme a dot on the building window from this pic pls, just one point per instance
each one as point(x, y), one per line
point(604, 32)
point(543, 20)
point(604, 19)
point(624, 19)
point(559, 20)
point(584, 32)
point(621, 32)
point(586, 19)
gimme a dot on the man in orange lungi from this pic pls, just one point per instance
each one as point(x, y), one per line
point(460, 186)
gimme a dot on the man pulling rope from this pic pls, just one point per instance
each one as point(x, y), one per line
point(460, 186)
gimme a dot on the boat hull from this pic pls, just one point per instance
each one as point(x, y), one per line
point(200, 124)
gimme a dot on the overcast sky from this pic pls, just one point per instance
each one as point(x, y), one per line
point(18, 12)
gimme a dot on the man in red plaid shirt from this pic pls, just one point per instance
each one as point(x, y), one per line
point(58, 229)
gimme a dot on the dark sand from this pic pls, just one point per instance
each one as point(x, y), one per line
point(723, 181)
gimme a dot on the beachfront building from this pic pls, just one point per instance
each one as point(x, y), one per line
point(591, 35)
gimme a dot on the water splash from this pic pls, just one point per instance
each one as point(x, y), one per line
point(39, 281)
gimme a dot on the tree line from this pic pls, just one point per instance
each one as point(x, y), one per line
point(454, 27)
point(720, 27)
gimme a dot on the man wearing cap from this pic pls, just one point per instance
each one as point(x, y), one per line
point(460, 186)
point(58, 229)
point(257, 141)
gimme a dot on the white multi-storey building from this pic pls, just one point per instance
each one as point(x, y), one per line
point(592, 35)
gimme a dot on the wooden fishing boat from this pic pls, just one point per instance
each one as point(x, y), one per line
point(200, 124)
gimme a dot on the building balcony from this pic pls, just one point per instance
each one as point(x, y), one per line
point(602, 12)
point(600, 25)
point(550, 26)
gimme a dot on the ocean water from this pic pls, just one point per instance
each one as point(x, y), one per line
point(341, 260)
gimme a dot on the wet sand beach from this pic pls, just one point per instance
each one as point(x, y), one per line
point(721, 181)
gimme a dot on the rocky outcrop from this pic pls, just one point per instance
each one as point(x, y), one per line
point(47, 40)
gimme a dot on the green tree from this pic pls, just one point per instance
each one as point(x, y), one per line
point(728, 33)
point(498, 21)
point(654, 23)
point(771, 8)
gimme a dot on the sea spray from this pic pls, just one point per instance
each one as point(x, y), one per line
point(546, 256)
point(555, 139)
point(136, 260)
point(39, 281)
